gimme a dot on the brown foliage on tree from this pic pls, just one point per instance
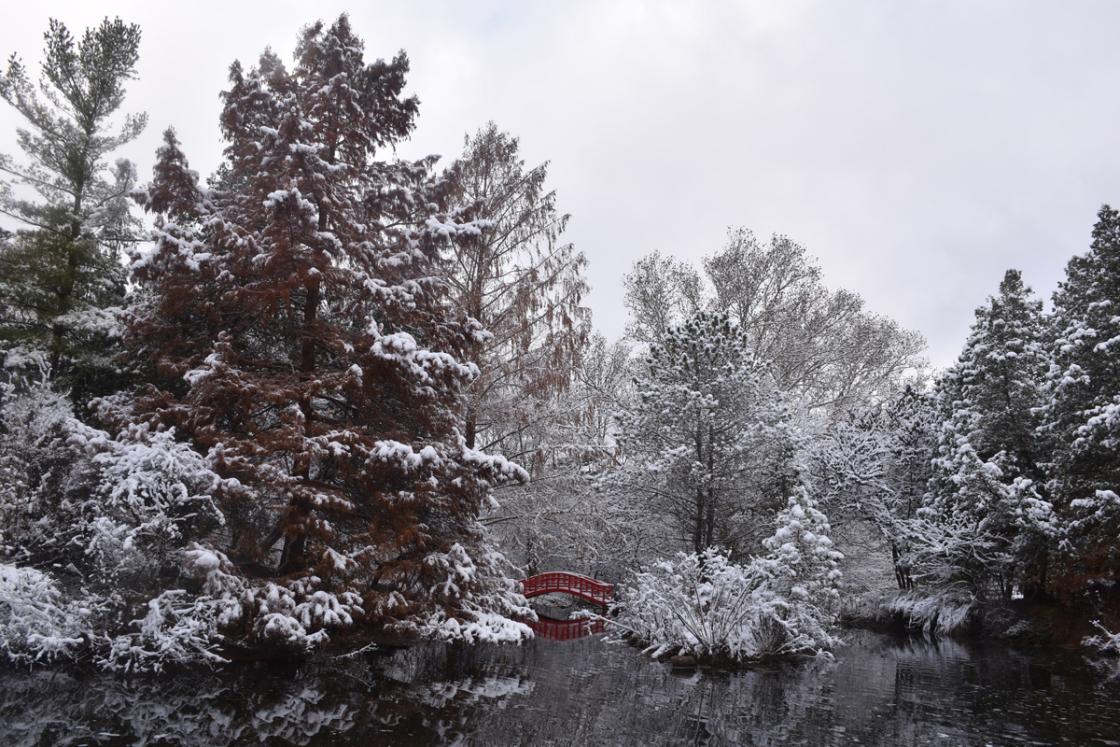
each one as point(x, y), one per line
point(301, 337)
point(525, 285)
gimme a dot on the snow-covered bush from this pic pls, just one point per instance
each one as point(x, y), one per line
point(152, 494)
point(702, 604)
point(36, 623)
point(1107, 644)
point(114, 513)
point(111, 508)
point(36, 464)
point(179, 628)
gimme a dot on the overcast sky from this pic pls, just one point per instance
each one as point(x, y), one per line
point(918, 149)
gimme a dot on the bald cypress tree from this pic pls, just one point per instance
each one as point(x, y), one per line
point(302, 339)
point(524, 284)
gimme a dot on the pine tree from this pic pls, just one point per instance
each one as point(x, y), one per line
point(1082, 421)
point(61, 275)
point(709, 440)
point(303, 340)
point(989, 469)
point(1004, 383)
point(524, 284)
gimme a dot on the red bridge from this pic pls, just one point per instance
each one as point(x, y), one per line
point(574, 584)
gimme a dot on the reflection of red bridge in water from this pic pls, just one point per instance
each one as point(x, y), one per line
point(562, 582)
point(581, 587)
point(567, 630)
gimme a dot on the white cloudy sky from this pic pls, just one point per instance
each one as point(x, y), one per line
point(917, 148)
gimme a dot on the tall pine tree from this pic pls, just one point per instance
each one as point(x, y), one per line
point(1083, 419)
point(62, 276)
point(708, 441)
point(988, 476)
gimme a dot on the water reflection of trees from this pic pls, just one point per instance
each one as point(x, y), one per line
point(583, 691)
point(61, 710)
point(908, 692)
point(337, 704)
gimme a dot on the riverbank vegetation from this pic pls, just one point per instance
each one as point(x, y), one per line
point(329, 396)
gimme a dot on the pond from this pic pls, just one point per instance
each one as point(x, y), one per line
point(877, 691)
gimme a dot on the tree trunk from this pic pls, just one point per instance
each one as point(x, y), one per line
point(293, 556)
point(901, 573)
point(66, 287)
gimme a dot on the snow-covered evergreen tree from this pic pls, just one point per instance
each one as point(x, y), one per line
point(61, 276)
point(302, 340)
point(1082, 420)
point(802, 572)
point(987, 481)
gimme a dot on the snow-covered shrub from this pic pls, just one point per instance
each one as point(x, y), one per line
point(954, 560)
point(37, 466)
point(112, 508)
point(152, 494)
point(36, 623)
point(945, 610)
point(1105, 642)
point(179, 628)
point(705, 605)
point(700, 604)
point(191, 626)
point(114, 514)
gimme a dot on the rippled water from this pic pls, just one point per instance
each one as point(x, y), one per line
point(877, 691)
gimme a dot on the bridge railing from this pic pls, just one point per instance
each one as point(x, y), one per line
point(597, 592)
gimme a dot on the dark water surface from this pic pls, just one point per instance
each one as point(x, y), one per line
point(877, 691)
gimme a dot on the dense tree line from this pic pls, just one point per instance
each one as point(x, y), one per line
point(323, 393)
point(294, 417)
point(1008, 460)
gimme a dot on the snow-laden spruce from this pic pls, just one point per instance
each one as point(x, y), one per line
point(703, 604)
point(1081, 419)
